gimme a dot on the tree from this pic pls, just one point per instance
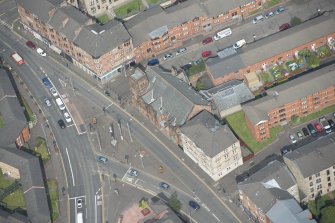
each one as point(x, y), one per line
point(327, 214)
point(174, 203)
point(295, 21)
point(198, 86)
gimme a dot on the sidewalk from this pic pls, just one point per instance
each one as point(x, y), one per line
point(53, 168)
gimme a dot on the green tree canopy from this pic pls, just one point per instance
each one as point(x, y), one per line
point(174, 203)
point(328, 214)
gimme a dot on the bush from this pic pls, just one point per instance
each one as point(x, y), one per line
point(295, 21)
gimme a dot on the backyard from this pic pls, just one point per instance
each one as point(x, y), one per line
point(237, 122)
point(196, 68)
point(103, 19)
point(319, 204)
point(15, 199)
point(129, 8)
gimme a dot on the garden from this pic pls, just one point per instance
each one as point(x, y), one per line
point(129, 8)
point(14, 199)
point(323, 208)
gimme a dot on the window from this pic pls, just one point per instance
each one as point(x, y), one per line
point(328, 172)
point(329, 184)
point(310, 178)
point(310, 184)
point(328, 178)
point(318, 180)
point(319, 187)
point(317, 174)
point(312, 190)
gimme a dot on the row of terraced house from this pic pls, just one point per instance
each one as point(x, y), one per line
point(101, 50)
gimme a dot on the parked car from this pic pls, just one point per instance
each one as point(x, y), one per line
point(31, 45)
point(133, 172)
point(331, 123)
point(194, 205)
point(284, 151)
point(67, 117)
point(181, 51)
point(318, 127)
point(164, 186)
point(280, 10)
point(311, 129)
point(284, 27)
point(299, 134)
point(239, 44)
point(41, 52)
point(293, 139)
point(305, 131)
point(53, 92)
point(167, 56)
point(47, 102)
point(206, 54)
point(257, 19)
point(153, 62)
point(207, 40)
point(102, 159)
point(61, 123)
point(269, 14)
point(79, 203)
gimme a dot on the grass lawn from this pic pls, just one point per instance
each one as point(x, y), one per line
point(196, 68)
point(265, 77)
point(312, 116)
point(103, 19)
point(41, 149)
point(124, 10)
point(1, 122)
point(53, 193)
point(273, 2)
point(239, 126)
point(14, 200)
point(154, 2)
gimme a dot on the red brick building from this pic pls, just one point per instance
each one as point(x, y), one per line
point(299, 97)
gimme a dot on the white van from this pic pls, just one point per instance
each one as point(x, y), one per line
point(239, 44)
point(60, 103)
point(257, 19)
point(222, 34)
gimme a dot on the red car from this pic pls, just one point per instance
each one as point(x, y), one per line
point(206, 54)
point(318, 127)
point(207, 40)
point(31, 45)
point(284, 27)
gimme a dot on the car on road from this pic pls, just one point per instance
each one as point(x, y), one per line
point(194, 205)
point(153, 62)
point(331, 123)
point(31, 45)
point(67, 117)
point(318, 127)
point(311, 129)
point(133, 172)
point(61, 123)
point(206, 54)
point(167, 56)
point(293, 139)
point(305, 131)
point(181, 51)
point(47, 102)
point(239, 44)
point(207, 40)
point(299, 134)
point(284, 27)
point(164, 186)
point(269, 14)
point(53, 92)
point(47, 82)
point(79, 203)
point(102, 159)
point(41, 52)
point(280, 10)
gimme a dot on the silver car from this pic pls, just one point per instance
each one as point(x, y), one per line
point(181, 51)
point(167, 56)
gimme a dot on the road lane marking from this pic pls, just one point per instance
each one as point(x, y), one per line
point(68, 157)
point(216, 217)
point(74, 198)
point(109, 105)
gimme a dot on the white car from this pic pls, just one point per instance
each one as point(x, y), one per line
point(293, 139)
point(133, 172)
point(167, 56)
point(41, 52)
point(53, 92)
point(67, 117)
point(47, 102)
point(181, 51)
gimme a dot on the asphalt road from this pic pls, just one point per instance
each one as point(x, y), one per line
point(82, 175)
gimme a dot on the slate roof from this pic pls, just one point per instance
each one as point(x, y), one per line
point(94, 39)
point(32, 183)
point(314, 157)
point(208, 134)
point(271, 46)
point(228, 95)
point(275, 174)
point(11, 112)
point(170, 96)
point(289, 211)
point(155, 18)
point(298, 88)
point(264, 198)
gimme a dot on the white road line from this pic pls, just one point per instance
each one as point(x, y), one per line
point(70, 125)
point(216, 217)
point(95, 209)
point(125, 174)
point(109, 105)
point(71, 198)
point(68, 157)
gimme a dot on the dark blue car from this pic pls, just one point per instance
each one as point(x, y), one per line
point(47, 82)
point(194, 205)
point(153, 62)
point(280, 10)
